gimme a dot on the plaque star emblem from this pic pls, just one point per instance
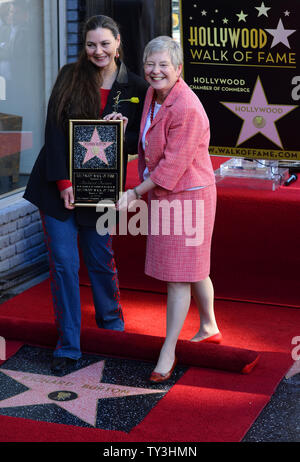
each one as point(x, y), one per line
point(280, 35)
point(95, 148)
point(77, 393)
point(259, 116)
point(262, 10)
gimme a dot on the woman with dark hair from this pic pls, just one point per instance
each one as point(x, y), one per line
point(83, 90)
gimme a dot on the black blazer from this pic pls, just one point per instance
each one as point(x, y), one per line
point(52, 163)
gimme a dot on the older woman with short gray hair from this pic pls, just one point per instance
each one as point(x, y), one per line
point(175, 170)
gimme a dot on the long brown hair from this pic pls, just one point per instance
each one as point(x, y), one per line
point(76, 91)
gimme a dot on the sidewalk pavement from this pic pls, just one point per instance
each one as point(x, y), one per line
point(279, 421)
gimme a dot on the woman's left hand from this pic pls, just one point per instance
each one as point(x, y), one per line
point(117, 116)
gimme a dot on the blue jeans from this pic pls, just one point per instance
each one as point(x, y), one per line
point(62, 243)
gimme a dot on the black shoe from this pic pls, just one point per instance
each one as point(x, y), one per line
point(60, 364)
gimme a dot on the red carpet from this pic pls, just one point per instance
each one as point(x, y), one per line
point(134, 346)
point(205, 404)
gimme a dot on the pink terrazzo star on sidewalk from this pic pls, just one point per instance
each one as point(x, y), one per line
point(81, 391)
point(295, 369)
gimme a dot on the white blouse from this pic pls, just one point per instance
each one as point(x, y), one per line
point(147, 126)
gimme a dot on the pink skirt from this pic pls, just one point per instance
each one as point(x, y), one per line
point(180, 228)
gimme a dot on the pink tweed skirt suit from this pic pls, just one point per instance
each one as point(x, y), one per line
point(181, 208)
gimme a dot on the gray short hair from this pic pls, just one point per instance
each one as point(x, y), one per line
point(165, 43)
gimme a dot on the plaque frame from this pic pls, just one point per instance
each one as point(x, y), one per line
point(82, 131)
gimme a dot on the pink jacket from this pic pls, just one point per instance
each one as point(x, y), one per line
point(176, 145)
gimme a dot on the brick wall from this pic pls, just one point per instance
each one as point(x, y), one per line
point(22, 249)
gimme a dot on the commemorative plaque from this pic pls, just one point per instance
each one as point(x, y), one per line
point(96, 161)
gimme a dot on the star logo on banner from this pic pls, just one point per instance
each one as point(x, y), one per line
point(262, 10)
point(280, 34)
point(95, 148)
point(77, 393)
point(242, 16)
point(259, 116)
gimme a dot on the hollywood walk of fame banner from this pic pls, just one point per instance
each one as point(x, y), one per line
point(240, 58)
point(96, 161)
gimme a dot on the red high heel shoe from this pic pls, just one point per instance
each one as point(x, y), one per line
point(157, 377)
point(217, 338)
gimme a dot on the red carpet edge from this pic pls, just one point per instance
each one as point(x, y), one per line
point(134, 346)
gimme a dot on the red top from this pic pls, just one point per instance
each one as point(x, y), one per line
point(64, 184)
point(104, 95)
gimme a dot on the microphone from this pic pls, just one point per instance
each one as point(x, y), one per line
point(291, 179)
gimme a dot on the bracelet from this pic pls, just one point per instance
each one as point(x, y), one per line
point(137, 195)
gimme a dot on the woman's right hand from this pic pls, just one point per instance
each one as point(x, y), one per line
point(126, 201)
point(117, 116)
point(67, 196)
